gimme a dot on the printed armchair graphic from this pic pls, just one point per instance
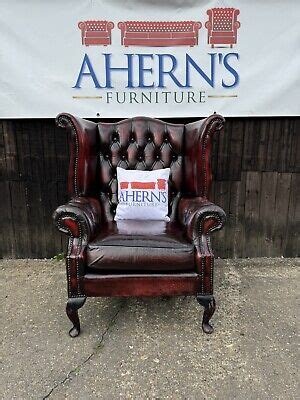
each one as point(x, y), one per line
point(96, 32)
point(131, 257)
point(222, 26)
point(159, 33)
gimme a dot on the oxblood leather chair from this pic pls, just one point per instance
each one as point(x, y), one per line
point(139, 258)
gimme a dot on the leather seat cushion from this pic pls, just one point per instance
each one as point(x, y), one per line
point(130, 245)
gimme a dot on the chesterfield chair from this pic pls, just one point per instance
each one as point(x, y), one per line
point(96, 32)
point(139, 258)
point(222, 26)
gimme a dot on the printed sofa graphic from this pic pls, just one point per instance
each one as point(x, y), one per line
point(221, 28)
point(160, 184)
point(159, 33)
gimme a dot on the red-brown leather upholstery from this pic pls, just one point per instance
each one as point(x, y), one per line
point(145, 144)
point(139, 143)
point(101, 253)
point(141, 246)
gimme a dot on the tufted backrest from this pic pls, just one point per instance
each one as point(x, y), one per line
point(161, 26)
point(223, 19)
point(95, 26)
point(97, 149)
point(139, 143)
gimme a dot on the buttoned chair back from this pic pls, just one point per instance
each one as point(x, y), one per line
point(141, 143)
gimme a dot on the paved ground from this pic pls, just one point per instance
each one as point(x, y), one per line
point(151, 348)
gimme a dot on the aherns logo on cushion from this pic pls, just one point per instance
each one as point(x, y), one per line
point(143, 194)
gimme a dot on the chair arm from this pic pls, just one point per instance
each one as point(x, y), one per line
point(200, 217)
point(110, 25)
point(79, 218)
point(208, 25)
point(82, 25)
point(197, 25)
point(122, 26)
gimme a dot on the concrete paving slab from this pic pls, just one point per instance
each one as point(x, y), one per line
point(151, 348)
point(36, 351)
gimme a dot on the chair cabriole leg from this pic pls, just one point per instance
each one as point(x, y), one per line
point(209, 304)
point(73, 305)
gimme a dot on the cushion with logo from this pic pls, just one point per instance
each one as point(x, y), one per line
point(142, 195)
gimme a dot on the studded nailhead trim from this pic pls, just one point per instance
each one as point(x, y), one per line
point(65, 229)
point(206, 138)
point(215, 216)
point(61, 121)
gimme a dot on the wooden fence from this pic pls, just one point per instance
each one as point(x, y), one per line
point(256, 169)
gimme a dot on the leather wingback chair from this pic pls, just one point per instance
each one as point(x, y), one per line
point(139, 258)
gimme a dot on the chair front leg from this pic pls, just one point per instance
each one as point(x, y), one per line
point(75, 263)
point(209, 304)
point(73, 305)
point(205, 266)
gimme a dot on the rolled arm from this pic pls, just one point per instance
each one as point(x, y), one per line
point(121, 25)
point(197, 25)
point(199, 217)
point(208, 25)
point(110, 25)
point(82, 25)
point(79, 218)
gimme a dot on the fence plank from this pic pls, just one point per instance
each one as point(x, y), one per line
point(223, 153)
point(11, 156)
point(292, 239)
point(235, 151)
point(2, 154)
point(22, 137)
point(281, 212)
point(36, 224)
point(237, 213)
point(266, 213)
point(252, 220)
point(223, 239)
point(19, 211)
point(274, 150)
point(293, 160)
point(7, 236)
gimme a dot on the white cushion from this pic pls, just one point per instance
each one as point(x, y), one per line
point(142, 194)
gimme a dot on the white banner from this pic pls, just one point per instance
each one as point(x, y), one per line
point(159, 58)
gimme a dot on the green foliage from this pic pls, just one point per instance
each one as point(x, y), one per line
point(59, 257)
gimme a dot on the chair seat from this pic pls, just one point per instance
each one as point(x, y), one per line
point(144, 246)
point(222, 33)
